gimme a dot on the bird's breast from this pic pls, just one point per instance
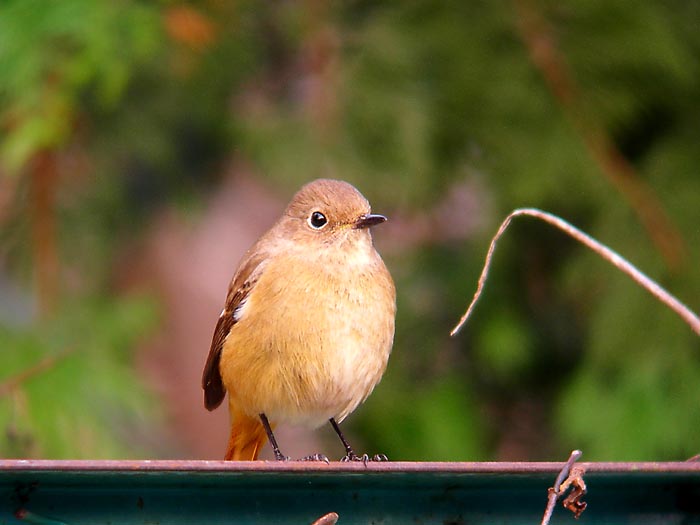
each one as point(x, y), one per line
point(312, 339)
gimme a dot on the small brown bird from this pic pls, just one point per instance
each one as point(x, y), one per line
point(308, 324)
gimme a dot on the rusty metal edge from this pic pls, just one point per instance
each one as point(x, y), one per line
point(205, 466)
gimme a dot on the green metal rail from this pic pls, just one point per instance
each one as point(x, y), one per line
point(299, 493)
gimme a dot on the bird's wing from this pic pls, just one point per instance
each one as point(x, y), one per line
point(240, 287)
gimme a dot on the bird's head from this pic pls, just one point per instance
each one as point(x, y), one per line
point(329, 212)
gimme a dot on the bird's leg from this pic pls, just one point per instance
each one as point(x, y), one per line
point(276, 449)
point(349, 452)
point(268, 430)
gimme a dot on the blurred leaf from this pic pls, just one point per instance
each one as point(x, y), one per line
point(87, 403)
point(52, 54)
point(504, 348)
point(428, 422)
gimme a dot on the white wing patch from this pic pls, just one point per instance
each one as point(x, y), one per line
point(240, 309)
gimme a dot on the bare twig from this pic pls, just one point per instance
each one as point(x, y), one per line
point(11, 383)
point(554, 492)
point(327, 519)
point(606, 253)
point(573, 501)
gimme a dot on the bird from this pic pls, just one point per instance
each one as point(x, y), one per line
point(308, 323)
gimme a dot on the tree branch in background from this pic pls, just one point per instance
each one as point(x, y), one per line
point(319, 64)
point(11, 383)
point(606, 253)
point(43, 191)
point(541, 45)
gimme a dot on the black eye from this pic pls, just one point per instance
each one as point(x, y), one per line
point(317, 220)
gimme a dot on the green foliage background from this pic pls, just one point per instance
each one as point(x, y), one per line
point(563, 351)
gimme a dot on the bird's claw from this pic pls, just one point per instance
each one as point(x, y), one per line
point(316, 457)
point(364, 458)
point(354, 457)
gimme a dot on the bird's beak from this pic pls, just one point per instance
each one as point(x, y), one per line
point(366, 221)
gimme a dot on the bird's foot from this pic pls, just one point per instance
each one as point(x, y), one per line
point(281, 457)
point(364, 458)
point(351, 456)
point(316, 457)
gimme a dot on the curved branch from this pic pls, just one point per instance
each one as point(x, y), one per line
point(606, 253)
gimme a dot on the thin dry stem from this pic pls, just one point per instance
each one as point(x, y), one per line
point(606, 253)
point(554, 492)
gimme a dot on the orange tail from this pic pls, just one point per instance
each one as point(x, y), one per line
point(247, 437)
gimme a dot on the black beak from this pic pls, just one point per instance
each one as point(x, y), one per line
point(366, 221)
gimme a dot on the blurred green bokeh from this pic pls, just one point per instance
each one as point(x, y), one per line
point(586, 108)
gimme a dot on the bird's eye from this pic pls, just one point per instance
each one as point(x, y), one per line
point(317, 220)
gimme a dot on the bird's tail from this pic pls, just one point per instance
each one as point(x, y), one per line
point(247, 437)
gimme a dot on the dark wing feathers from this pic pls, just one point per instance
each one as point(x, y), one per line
point(242, 283)
point(214, 390)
